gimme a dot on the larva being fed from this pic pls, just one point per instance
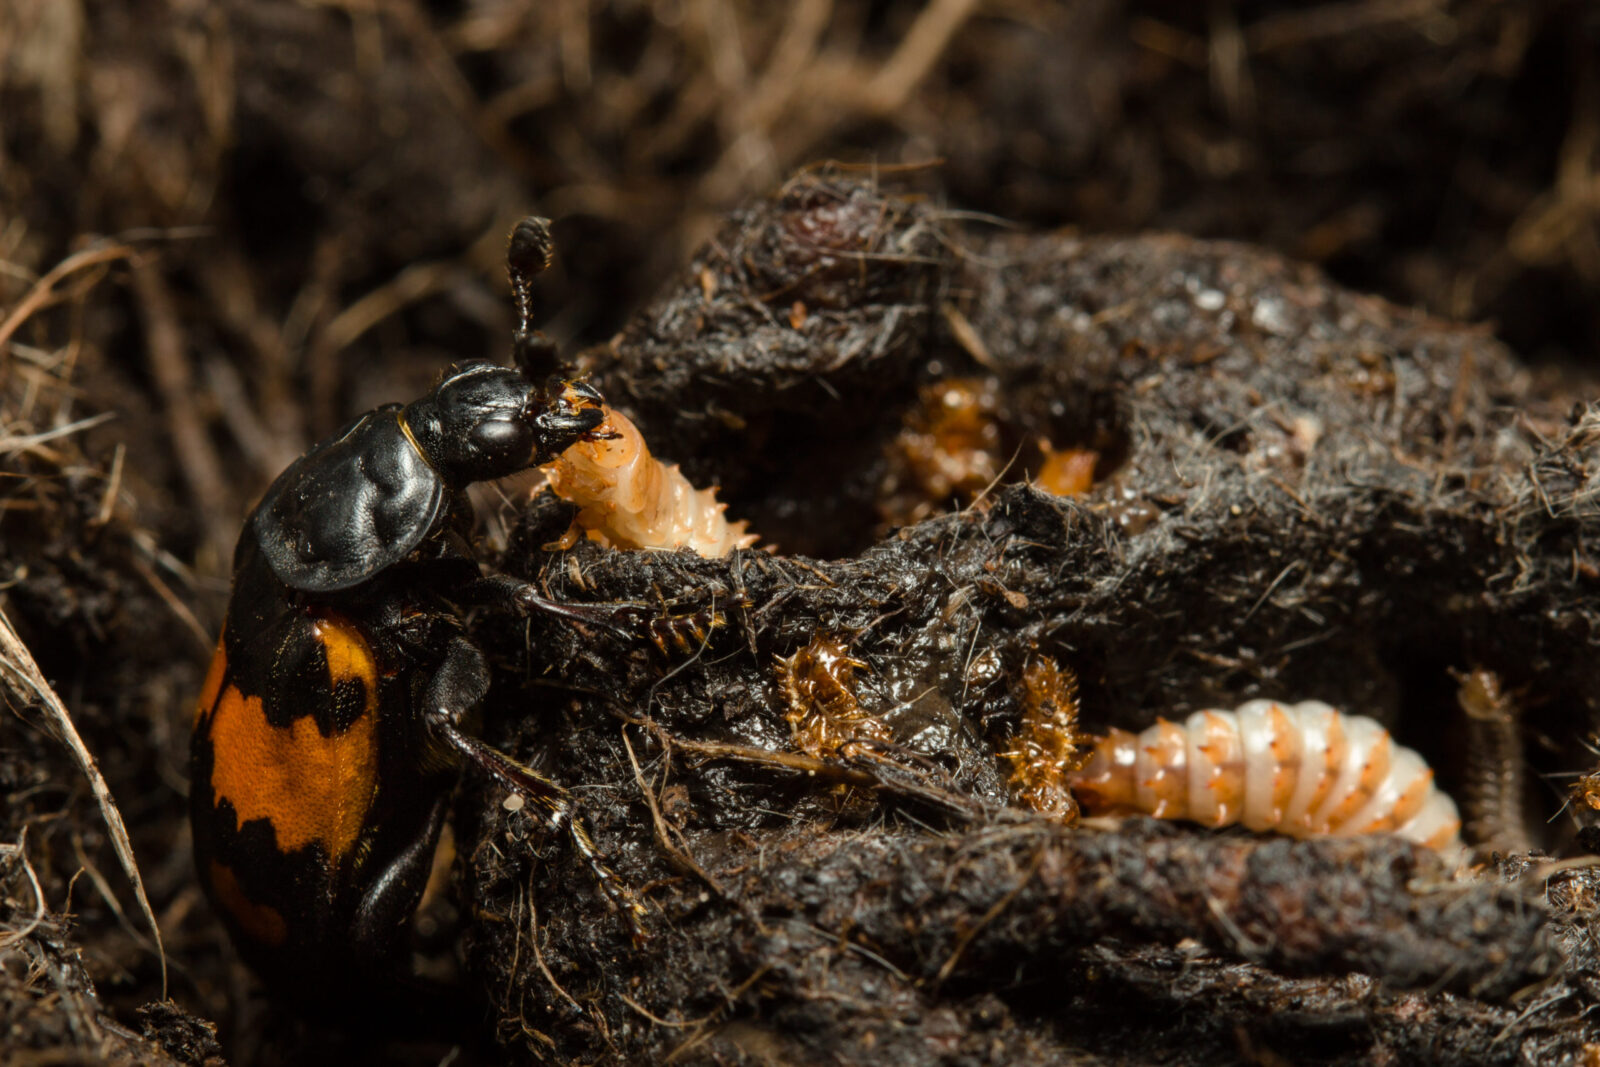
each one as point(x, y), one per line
point(630, 499)
point(626, 497)
point(1300, 769)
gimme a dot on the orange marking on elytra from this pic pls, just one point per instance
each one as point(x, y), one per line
point(260, 921)
point(213, 685)
point(349, 656)
point(313, 789)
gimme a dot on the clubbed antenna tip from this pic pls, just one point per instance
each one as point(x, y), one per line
point(532, 249)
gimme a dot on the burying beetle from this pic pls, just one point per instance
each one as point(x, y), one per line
point(330, 726)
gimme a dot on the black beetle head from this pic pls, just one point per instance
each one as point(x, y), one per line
point(483, 421)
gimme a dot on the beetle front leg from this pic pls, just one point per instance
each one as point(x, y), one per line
point(459, 685)
point(623, 619)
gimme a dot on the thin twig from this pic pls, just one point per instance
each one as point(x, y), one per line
point(191, 444)
point(412, 284)
point(538, 957)
point(39, 296)
point(20, 850)
point(173, 602)
point(26, 442)
point(922, 46)
point(663, 834)
point(876, 779)
point(28, 686)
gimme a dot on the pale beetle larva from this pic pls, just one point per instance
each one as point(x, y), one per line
point(630, 499)
point(1304, 770)
point(626, 497)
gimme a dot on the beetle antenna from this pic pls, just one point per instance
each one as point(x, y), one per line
point(529, 255)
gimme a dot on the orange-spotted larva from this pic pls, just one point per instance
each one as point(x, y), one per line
point(1587, 789)
point(819, 689)
point(1047, 746)
point(629, 499)
point(953, 447)
point(1303, 770)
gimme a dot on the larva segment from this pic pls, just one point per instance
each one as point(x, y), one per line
point(1161, 779)
point(1322, 748)
point(1303, 770)
point(1437, 825)
point(1366, 761)
point(1397, 797)
point(1216, 768)
point(1109, 779)
point(629, 499)
point(1272, 758)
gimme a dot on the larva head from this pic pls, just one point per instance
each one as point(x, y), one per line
point(483, 421)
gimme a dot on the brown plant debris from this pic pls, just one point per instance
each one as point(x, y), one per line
point(1302, 531)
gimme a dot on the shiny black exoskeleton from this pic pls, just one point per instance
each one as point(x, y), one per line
point(331, 722)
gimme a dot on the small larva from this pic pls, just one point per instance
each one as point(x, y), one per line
point(819, 689)
point(948, 452)
point(630, 499)
point(1047, 746)
point(1301, 769)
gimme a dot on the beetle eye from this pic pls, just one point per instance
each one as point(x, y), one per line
point(501, 436)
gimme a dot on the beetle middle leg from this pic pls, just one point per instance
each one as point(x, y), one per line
point(459, 685)
point(513, 594)
point(391, 900)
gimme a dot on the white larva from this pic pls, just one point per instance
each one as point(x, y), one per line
point(1304, 770)
point(630, 499)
